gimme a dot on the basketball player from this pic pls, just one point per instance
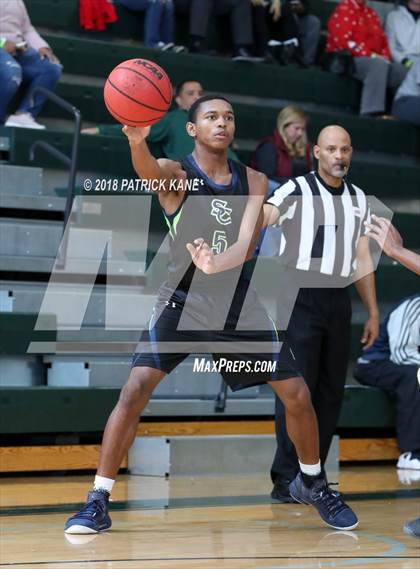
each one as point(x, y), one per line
point(388, 237)
point(391, 242)
point(196, 291)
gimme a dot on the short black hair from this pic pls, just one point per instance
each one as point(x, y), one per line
point(192, 113)
point(181, 85)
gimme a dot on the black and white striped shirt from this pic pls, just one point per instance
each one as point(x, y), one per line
point(321, 226)
point(399, 335)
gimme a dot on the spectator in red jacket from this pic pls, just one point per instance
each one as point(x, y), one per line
point(356, 28)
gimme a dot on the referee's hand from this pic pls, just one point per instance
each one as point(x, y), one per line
point(370, 331)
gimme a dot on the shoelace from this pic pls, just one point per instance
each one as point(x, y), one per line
point(332, 500)
point(91, 509)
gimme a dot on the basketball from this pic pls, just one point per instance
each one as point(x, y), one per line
point(138, 92)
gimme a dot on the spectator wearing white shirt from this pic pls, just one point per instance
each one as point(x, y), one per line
point(24, 58)
point(403, 31)
point(392, 364)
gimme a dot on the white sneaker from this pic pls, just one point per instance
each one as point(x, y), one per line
point(24, 120)
point(406, 461)
point(408, 477)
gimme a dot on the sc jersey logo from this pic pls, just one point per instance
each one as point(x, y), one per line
point(221, 211)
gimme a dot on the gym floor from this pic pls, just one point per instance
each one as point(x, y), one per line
point(207, 522)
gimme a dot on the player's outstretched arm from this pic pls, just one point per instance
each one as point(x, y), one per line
point(390, 241)
point(147, 166)
point(365, 285)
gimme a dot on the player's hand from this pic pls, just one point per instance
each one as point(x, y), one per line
point(275, 9)
point(385, 234)
point(202, 256)
point(262, 3)
point(10, 47)
point(370, 331)
point(136, 134)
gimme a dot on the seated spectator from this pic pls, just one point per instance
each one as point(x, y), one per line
point(200, 12)
point(24, 58)
point(170, 132)
point(356, 28)
point(283, 154)
point(406, 106)
point(286, 152)
point(159, 22)
point(288, 29)
point(403, 31)
point(392, 364)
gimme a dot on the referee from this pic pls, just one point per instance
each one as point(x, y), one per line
point(323, 249)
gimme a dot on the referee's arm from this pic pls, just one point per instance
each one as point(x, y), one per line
point(365, 285)
point(280, 204)
point(271, 215)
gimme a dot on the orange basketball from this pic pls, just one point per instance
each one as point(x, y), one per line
point(138, 92)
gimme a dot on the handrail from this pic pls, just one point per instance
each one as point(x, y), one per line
point(69, 161)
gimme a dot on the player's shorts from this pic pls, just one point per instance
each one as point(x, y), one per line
point(241, 368)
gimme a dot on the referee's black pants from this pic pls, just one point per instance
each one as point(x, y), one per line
point(319, 335)
point(401, 381)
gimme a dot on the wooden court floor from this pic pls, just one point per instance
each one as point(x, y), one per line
point(208, 522)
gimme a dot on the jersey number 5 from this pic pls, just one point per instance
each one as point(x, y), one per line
point(219, 243)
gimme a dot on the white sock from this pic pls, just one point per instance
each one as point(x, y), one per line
point(311, 469)
point(102, 483)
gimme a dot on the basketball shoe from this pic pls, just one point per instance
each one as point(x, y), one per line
point(413, 528)
point(409, 460)
point(280, 492)
point(330, 505)
point(93, 517)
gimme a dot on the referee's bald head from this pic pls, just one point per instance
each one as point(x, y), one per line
point(333, 152)
point(333, 131)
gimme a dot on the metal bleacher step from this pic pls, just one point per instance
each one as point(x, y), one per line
point(107, 371)
point(23, 179)
point(29, 237)
point(230, 454)
point(32, 203)
point(128, 307)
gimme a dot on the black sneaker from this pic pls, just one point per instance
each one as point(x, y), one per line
point(93, 517)
point(413, 528)
point(280, 492)
point(330, 505)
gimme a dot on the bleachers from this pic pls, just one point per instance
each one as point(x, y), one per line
point(32, 199)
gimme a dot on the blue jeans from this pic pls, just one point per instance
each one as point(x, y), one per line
point(26, 67)
point(158, 21)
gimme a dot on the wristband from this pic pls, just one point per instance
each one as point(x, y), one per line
point(2, 42)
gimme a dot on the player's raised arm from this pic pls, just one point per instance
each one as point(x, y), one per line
point(391, 242)
point(145, 164)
